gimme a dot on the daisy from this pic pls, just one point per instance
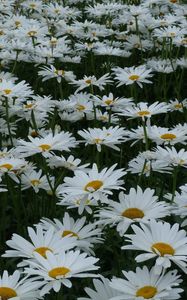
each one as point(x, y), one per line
point(164, 242)
point(179, 205)
point(109, 137)
point(86, 234)
point(102, 291)
point(144, 165)
point(14, 288)
point(11, 164)
point(145, 284)
point(93, 184)
point(51, 72)
point(69, 163)
point(137, 206)
point(176, 105)
point(111, 102)
point(88, 81)
point(56, 270)
point(144, 110)
point(34, 179)
point(132, 75)
point(41, 241)
point(62, 141)
point(161, 135)
point(172, 156)
point(76, 202)
point(9, 89)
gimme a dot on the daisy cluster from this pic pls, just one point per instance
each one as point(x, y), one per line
point(93, 149)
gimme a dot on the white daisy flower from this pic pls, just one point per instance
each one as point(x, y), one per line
point(56, 270)
point(161, 135)
point(102, 291)
point(35, 179)
point(144, 165)
point(71, 163)
point(14, 288)
point(172, 156)
point(86, 234)
point(93, 184)
point(111, 102)
point(136, 207)
point(51, 72)
point(164, 242)
point(132, 75)
point(109, 137)
point(61, 141)
point(144, 110)
point(41, 241)
point(88, 81)
point(145, 284)
point(176, 105)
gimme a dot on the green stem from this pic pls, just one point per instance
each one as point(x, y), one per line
point(146, 136)
point(175, 173)
point(7, 120)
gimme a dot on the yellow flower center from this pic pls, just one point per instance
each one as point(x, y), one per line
point(179, 105)
point(32, 33)
point(42, 251)
point(109, 101)
point(143, 113)
point(45, 147)
point(28, 105)
point(98, 141)
point(6, 166)
point(80, 107)
point(69, 232)
point(93, 185)
point(133, 213)
point(184, 41)
point(163, 249)
point(168, 136)
point(88, 81)
point(7, 91)
point(32, 5)
point(17, 23)
point(2, 32)
point(146, 292)
point(35, 182)
point(34, 133)
point(59, 72)
point(134, 77)
point(7, 293)
point(60, 271)
point(172, 34)
point(57, 11)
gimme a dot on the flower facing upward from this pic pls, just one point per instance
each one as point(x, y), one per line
point(94, 183)
point(86, 235)
point(132, 75)
point(103, 290)
point(55, 270)
point(160, 241)
point(14, 288)
point(88, 81)
point(61, 141)
point(144, 110)
point(144, 284)
point(137, 206)
point(41, 241)
point(109, 137)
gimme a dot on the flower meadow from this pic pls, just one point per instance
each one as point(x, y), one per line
point(93, 150)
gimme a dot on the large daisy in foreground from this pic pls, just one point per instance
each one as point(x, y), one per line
point(160, 241)
point(145, 284)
